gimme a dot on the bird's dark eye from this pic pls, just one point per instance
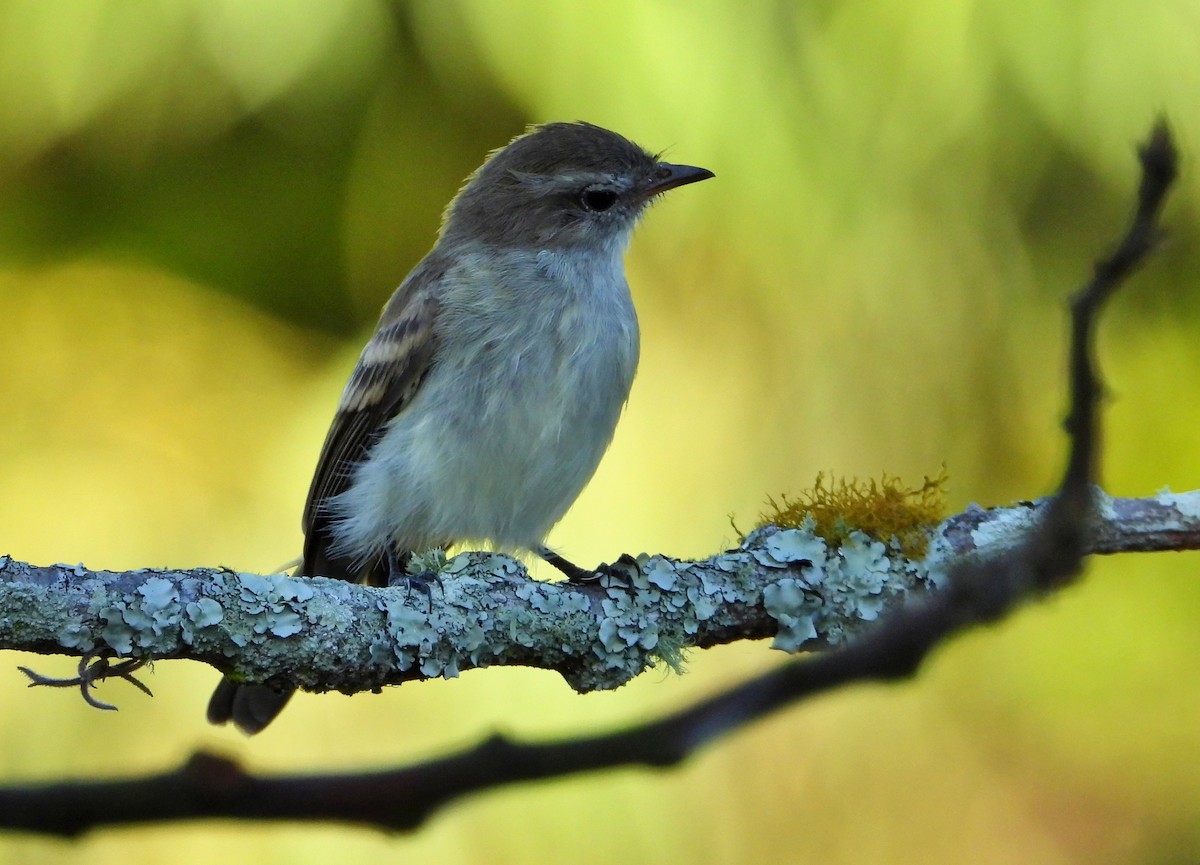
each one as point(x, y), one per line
point(598, 200)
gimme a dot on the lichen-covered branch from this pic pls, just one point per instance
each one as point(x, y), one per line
point(320, 635)
point(483, 610)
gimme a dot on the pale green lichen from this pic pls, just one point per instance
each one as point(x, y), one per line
point(1003, 528)
point(382, 655)
point(432, 639)
point(832, 591)
point(429, 561)
point(204, 613)
point(410, 629)
point(649, 615)
point(661, 575)
point(704, 607)
point(286, 624)
point(271, 603)
point(117, 634)
point(793, 545)
point(76, 636)
point(795, 610)
point(200, 615)
point(1187, 504)
point(142, 619)
point(159, 594)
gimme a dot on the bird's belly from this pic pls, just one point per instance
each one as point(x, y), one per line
point(525, 449)
point(495, 452)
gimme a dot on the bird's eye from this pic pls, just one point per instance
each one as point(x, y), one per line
point(598, 200)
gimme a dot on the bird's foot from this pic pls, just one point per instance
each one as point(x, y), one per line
point(616, 572)
point(93, 669)
point(398, 575)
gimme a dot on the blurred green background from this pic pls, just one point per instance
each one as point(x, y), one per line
point(204, 204)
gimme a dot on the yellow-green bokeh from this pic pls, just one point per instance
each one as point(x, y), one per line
point(203, 204)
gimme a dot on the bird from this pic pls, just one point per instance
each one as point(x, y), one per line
point(491, 387)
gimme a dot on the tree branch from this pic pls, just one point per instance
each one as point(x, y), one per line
point(787, 584)
point(781, 582)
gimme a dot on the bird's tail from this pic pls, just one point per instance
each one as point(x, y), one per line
point(250, 707)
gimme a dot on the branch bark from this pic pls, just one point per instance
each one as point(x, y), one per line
point(321, 635)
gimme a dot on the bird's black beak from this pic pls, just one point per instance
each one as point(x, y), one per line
point(667, 176)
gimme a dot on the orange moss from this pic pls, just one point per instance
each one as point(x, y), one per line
point(883, 509)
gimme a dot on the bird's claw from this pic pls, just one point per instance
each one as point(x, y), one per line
point(398, 575)
point(93, 669)
point(423, 582)
point(611, 575)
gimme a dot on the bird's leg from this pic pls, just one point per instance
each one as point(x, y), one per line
point(395, 567)
point(575, 574)
point(397, 561)
point(582, 576)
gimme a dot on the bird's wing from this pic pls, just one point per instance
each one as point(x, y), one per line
point(389, 372)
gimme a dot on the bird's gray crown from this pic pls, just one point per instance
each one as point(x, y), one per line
point(555, 148)
point(559, 184)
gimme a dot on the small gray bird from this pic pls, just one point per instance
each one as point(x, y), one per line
point(491, 387)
